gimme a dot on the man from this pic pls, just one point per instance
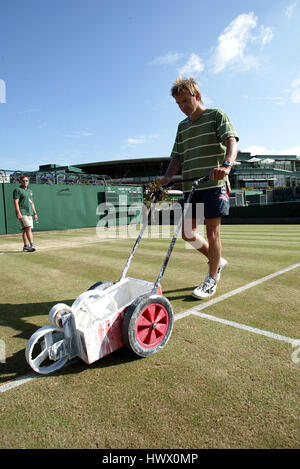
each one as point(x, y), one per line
point(206, 144)
point(25, 208)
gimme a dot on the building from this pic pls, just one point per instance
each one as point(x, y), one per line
point(132, 171)
point(259, 172)
point(265, 171)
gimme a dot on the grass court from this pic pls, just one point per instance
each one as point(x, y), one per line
point(219, 383)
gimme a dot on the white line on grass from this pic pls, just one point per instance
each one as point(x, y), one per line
point(18, 381)
point(72, 244)
point(195, 311)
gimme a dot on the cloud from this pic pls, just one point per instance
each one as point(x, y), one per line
point(295, 93)
point(233, 43)
point(169, 58)
point(79, 134)
point(2, 91)
point(278, 100)
point(142, 139)
point(266, 35)
point(256, 150)
point(193, 67)
point(290, 10)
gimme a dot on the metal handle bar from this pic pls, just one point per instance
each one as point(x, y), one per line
point(145, 224)
point(172, 244)
point(196, 181)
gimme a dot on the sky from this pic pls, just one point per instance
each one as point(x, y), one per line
point(86, 81)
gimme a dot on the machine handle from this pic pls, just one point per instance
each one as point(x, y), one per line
point(196, 181)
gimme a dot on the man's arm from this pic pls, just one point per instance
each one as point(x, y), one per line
point(34, 212)
point(173, 168)
point(17, 208)
point(231, 154)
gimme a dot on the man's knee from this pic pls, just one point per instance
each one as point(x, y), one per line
point(213, 229)
point(188, 234)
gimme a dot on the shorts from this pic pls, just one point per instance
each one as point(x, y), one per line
point(215, 203)
point(26, 221)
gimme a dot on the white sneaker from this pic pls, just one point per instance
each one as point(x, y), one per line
point(222, 266)
point(206, 289)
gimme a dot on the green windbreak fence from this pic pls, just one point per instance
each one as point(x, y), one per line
point(2, 212)
point(63, 207)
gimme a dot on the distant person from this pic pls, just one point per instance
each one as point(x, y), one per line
point(25, 209)
point(205, 144)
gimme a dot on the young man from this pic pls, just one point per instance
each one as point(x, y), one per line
point(25, 208)
point(206, 144)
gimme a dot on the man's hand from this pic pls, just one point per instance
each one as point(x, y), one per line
point(165, 180)
point(172, 169)
point(220, 173)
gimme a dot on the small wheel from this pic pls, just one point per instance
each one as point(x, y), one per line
point(37, 354)
point(56, 313)
point(148, 324)
point(103, 285)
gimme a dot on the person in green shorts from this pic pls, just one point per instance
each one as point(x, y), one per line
point(25, 209)
point(205, 144)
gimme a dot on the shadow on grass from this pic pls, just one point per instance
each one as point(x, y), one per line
point(16, 366)
point(187, 296)
point(14, 316)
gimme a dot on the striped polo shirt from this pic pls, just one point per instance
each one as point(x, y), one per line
point(199, 146)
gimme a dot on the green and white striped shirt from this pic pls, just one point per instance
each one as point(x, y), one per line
point(199, 146)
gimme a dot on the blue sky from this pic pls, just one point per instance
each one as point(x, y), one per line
point(89, 80)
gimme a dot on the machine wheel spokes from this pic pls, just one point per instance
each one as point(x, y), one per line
point(38, 348)
point(152, 325)
point(148, 324)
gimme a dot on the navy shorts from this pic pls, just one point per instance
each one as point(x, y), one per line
point(215, 203)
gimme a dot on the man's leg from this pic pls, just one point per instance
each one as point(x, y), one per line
point(210, 248)
point(29, 235)
point(190, 234)
point(213, 231)
point(24, 236)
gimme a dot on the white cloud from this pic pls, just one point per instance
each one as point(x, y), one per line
point(256, 150)
point(295, 94)
point(141, 139)
point(193, 67)
point(233, 43)
point(2, 91)
point(294, 91)
point(278, 100)
point(290, 10)
point(169, 58)
point(266, 35)
point(79, 134)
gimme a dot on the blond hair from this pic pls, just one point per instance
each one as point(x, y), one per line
point(189, 84)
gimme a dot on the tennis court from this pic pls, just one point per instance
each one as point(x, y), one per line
point(228, 377)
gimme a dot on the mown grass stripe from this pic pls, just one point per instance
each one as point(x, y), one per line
point(196, 311)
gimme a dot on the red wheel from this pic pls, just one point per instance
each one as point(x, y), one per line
point(148, 324)
point(152, 325)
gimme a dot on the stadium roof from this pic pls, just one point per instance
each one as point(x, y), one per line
point(128, 167)
point(243, 156)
